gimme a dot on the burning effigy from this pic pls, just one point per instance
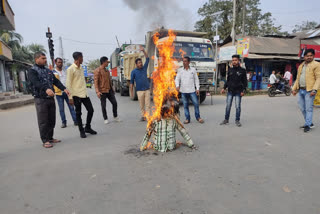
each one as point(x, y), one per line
point(164, 120)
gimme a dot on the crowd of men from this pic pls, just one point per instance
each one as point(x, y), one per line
point(70, 87)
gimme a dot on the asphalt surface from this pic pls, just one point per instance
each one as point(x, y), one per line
point(267, 166)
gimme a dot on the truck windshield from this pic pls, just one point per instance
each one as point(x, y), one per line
point(196, 51)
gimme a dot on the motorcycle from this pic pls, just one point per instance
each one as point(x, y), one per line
point(273, 89)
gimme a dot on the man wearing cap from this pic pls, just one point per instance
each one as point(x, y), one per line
point(236, 84)
point(104, 90)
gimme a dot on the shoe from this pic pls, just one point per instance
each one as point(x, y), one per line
point(63, 125)
point(83, 134)
point(311, 126)
point(76, 123)
point(106, 121)
point(307, 129)
point(225, 122)
point(238, 123)
point(278, 90)
point(90, 130)
point(117, 119)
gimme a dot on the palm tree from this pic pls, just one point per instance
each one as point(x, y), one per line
point(11, 38)
point(33, 48)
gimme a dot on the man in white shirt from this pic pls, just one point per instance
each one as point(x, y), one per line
point(287, 75)
point(273, 78)
point(187, 83)
point(62, 96)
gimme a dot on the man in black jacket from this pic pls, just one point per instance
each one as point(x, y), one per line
point(236, 84)
point(42, 80)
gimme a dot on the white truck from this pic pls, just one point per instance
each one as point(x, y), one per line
point(196, 46)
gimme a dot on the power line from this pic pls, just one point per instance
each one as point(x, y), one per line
point(90, 43)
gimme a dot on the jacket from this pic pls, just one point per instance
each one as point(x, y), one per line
point(237, 80)
point(312, 76)
point(41, 79)
point(102, 80)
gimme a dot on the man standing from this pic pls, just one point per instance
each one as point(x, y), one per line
point(253, 81)
point(307, 83)
point(139, 77)
point(236, 85)
point(42, 80)
point(187, 83)
point(62, 96)
point(76, 83)
point(259, 80)
point(273, 78)
point(103, 86)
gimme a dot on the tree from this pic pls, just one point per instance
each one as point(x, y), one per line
point(306, 25)
point(36, 48)
point(256, 22)
point(92, 65)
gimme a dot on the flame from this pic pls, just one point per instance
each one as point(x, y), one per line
point(182, 53)
point(163, 76)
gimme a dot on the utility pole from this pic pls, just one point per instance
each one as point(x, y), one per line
point(244, 17)
point(118, 41)
point(61, 48)
point(50, 44)
point(234, 22)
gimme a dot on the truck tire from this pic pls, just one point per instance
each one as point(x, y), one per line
point(133, 96)
point(203, 95)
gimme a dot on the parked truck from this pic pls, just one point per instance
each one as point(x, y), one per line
point(194, 44)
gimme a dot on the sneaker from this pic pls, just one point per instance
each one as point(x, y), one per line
point(306, 129)
point(225, 122)
point(311, 126)
point(278, 90)
point(83, 134)
point(304, 126)
point(90, 131)
point(117, 119)
point(63, 125)
point(106, 121)
point(238, 123)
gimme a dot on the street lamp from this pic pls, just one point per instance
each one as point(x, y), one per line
point(216, 38)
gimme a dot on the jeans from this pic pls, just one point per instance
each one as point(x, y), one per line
point(253, 85)
point(113, 101)
point(194, 99)
point(60, 100)
point(305, 102)
point(258, 85)
point(88, 105)
point(229, 105)
point(46, 114)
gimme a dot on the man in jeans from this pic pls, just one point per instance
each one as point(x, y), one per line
point(78, 88)
point(236, 84)
point(139, 76)
point(307, 83)
point(62, 96)
point(103, 86)
point(42, 80)
point(187, 83)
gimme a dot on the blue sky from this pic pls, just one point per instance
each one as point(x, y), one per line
point(99, 21)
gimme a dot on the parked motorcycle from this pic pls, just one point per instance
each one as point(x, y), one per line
point(273, 89)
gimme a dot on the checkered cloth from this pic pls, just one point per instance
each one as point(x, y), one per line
point(165, 135)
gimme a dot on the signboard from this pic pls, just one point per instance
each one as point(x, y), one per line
point(216, 38)
point(85, 70)
point(243, 47)
point(304, 47)
point(225, 53)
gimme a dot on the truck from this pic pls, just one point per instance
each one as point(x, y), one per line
point(194, 44)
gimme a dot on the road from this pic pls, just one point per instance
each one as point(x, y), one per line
point(267, 166)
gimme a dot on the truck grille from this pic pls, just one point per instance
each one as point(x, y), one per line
point(204, 76)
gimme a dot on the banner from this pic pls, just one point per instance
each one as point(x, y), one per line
point(225, 53)
point(304, 47)
point(243, 47)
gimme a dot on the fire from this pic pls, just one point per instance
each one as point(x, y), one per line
point(163, 77)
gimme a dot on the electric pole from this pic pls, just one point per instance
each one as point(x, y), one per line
point(244, 17)
point(51, 45)
point(234, 22)
point(61, 48)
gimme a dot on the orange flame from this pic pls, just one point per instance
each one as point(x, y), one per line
point(182, 53)
point(163, 76)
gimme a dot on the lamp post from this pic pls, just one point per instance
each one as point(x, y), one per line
point(216, 38)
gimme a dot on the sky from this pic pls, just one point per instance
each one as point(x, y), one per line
point(91, 26)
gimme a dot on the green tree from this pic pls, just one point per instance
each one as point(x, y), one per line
point(33, 48)
point(306, 25)
point(256, 22)
point(92, 65)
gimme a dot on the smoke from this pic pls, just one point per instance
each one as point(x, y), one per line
point(153, 14)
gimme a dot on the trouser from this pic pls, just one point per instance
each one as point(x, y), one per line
point(194, 99)
point(88, 105)
point(229, 105)
point(305, 102)
point(60, 100)
point(46, 115)
point(113, 101)
point(144, 101)
point(258, 85)
point(253, 85)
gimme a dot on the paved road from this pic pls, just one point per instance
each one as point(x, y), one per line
point(267, 166)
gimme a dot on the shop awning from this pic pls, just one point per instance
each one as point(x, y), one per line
point(258, 56)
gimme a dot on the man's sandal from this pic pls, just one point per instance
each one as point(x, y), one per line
point(55, 141)
point(186, 122)
point(47, 145)
point(200, 120)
